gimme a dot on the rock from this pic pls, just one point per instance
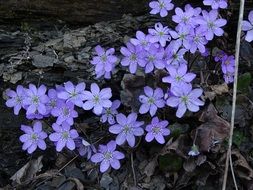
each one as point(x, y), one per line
point(42, 61)
point(105, 181)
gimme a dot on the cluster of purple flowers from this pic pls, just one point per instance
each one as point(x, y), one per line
point(247, 26)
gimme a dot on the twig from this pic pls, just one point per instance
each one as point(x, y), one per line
point(237, 54)
point(132, 165)
point(67, 163)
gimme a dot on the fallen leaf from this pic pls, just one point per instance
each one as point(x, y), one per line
point(28, 171)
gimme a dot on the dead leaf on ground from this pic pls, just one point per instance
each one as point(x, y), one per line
point(216, 90)
point(28, 171)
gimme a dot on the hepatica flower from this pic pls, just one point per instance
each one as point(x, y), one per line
point(108, 156)
point(152, 100)
point(228, 64)
point(157, 130)
point(15, 99)
point(84, 148)
point(185, 98)
point(197, 41)
point(161, 6)
point(132, 57)
point(63, 136)
point(108, 114)
point(36, 100)
point(210, 24)
point(97, 99)
point(216, 4)
point(141, 40)
point(247, 26)
point(228, 77)
point(153, 58)
point(33, 137)
point(184, 18)
point(181, 36)
point(178, 76)
point(104, 61)
point(159, 34)
point(219, 55)
point(74, 94)
point(65, 113)
point(54, 101)
point(127, 128)
point(194, 151)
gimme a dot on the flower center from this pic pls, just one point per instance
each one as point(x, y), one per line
point(108, 111)
point(156, 130)
point(65, 112)
point(161, 4)
point(184, 99)
point(211, 25)
point(73, 94)
point(178, 78)
point(161, 33)
point(108, 155)
point(126, 129)
point(185, 19)
point(34, 137)
point(104, 58)
point(65, 135)
point(18, 99)
point(133, 57)
point(96, 99)
point(151, 58)
point(35, 99)
point(52, 103)
point(151, 100)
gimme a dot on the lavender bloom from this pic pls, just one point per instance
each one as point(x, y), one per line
point(161, 6)
point(108, 114)
point(228, 64)
point(15, 99)
point(154, 58)
point(84, 148)
point(152, 100)
point(181, 36)
point(74, 94)
point(179, 77)
point(65, 113)
point(197, 10)
point(156, 130)
point(33, 137)
point(141, 40)
point(104, 61)
point(159, 34)
point(216, 4)
point(185, 98)
point(197, 42)
point(132, 57)
point(248, 27)
point(184, 18)
point(210, 24)
point(97, 99)
point(53, 102)
point(174, 55)
point(108, 156)
point(127, 128)
point(228, 77)
point(36, 100)
point(219, 56)
point(63, 136)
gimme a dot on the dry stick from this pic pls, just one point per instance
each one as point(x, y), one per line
point(132, 166)
point(237, 53)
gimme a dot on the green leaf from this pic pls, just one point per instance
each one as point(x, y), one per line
point(243, 82)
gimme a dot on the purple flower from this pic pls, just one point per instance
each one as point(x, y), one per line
point(53, 102)
point(33, 137)
point(97, 99)
point(63, 136)
point(36, 100)
point(197, 42)
point(108, 114)
point(181, 36)
point(84, 148)
point(127, 128)
point(179, 77)
point(152, 100)
point(216, 4)
point(228, 77)
point(210, 24)
point(184, 18)
point(108, 156)
point(153, 58)
point(16, 99)
point(132, 57)
point(65, 113)
point(174, 55)
point(105, 61)
point(74, 94)
point(248, 27)
point(228, 64)
point(161, 6)
point(185, 98)
point(219, 55)
point(156, 130)
point(159, 34)
point(141, 40)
